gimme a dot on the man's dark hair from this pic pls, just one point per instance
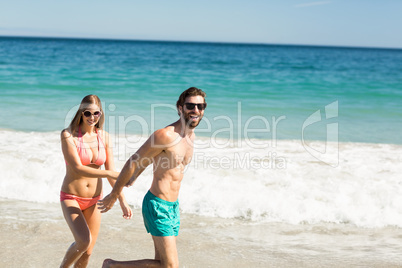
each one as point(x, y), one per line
point(192, 91)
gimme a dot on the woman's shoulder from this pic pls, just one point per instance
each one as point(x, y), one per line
point(66, 133)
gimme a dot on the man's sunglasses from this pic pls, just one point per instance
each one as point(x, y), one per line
point(200, 106)
point(88, 114)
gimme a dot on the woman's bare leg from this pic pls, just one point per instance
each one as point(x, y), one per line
point(93, 218)
point(76, 221)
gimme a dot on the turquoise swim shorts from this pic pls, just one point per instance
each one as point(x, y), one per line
point(161, 217)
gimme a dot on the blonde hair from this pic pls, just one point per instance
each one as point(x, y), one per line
point(86, 101)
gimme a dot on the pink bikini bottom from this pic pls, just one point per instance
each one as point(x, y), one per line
point(83, 202)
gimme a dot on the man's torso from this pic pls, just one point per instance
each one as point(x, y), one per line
point(169, 167)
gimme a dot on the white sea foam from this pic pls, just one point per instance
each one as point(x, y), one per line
point(281, 182)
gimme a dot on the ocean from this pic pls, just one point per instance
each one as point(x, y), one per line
point(299, 149)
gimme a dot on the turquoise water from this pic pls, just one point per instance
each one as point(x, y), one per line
point(269, 91)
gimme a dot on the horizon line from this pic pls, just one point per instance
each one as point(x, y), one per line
point(194, 41)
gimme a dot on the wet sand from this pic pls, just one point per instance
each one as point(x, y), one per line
point(36, 235)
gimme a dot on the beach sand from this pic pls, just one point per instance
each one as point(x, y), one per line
point(36, 235)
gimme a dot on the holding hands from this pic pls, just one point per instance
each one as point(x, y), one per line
point(105, 204)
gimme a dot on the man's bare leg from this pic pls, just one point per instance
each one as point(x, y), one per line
point(166, 250)
point(108, 263)
point(165, 256)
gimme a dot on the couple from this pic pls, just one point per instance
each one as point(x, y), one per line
point(86, 147)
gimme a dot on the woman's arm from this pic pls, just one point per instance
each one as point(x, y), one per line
point(73, 160)
point(109, 165)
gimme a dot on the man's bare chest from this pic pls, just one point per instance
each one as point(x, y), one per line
point(180, 154)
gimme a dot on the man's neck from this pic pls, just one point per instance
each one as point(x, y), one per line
point(183, 129)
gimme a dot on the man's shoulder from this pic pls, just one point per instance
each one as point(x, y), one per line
point(166, 135)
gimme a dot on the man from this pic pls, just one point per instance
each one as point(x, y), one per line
point(169, 149)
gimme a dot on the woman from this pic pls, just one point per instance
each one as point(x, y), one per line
point(86, 148)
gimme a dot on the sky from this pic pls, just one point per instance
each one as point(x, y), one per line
point(361, 23)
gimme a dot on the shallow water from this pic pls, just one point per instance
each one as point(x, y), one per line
point(265, 183)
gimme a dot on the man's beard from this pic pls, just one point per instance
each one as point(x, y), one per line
point(189, 122)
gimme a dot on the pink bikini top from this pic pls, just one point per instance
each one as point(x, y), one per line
point(83, 152)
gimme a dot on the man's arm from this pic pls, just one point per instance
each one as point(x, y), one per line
point(135, 165)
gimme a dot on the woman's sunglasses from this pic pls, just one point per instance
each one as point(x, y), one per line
point(200, 106)
point(88, 114)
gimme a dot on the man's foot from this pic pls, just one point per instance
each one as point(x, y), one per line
point(107, 263)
